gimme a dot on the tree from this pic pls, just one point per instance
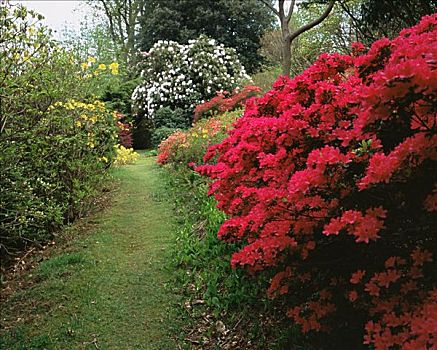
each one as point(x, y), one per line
point(238, 24)
point(334, 34)
point(374, 19)
point(122, 20)
point(289, 35)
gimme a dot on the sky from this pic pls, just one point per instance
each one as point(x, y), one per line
point(58, 14)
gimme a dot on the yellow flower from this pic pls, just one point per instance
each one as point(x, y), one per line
point(102, 66)
point(91, 60)
point(125, 155)
point(78, 124)
point(114, 68)
point(95, 73)
point(113, 65)
point(84, 66)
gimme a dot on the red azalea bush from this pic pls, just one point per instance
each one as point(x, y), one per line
point(168, 147)
point(225, 102)
point(124, 131)
point(330, 181)
point(187, 147)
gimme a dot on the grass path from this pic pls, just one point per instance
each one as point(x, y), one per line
point(108, 289)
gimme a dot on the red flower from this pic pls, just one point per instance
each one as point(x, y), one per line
point(348, 146)
point(357, 276)
point(353, 296)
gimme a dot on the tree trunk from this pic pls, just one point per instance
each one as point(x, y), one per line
point(287, 37)
point(286, 49)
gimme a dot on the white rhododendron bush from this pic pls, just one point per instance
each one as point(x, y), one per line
point(182, 76)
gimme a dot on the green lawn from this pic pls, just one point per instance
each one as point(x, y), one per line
point(109, 289)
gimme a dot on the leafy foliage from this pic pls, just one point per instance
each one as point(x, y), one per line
point(375, 19)
point(236, 24)
point(167, 117)
point(55, 147)
point(51, 170)
point(266, 77)
point(329, 180)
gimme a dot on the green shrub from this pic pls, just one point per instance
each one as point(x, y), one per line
point(160, 134)
point(169, 118)
point(51, 171)
point(55, 149)
point(117, 95)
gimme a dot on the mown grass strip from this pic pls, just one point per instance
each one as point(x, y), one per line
point(110, 289)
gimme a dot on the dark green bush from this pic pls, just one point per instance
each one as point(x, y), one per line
point(118, 96)
point(167, 117)
point(161, 134)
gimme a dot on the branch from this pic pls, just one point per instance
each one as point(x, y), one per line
point(290, 11)
point(120, 22)
point(127, 8)
point(312, 24)
point(356, 23)
point(111, 23)
point(270, 6)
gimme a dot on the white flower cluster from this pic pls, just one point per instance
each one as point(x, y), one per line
point(182, 76)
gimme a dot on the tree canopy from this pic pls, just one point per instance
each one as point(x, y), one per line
point(374, 19)
point(238, 24)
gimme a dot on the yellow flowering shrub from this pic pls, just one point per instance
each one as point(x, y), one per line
point(125, 155)
point(57, 139)
point(93, 121)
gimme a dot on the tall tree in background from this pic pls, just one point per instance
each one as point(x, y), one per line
point(288, 34)
point(373, 19)
point(234, 23)
point(122, 18)
point(334, 34)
